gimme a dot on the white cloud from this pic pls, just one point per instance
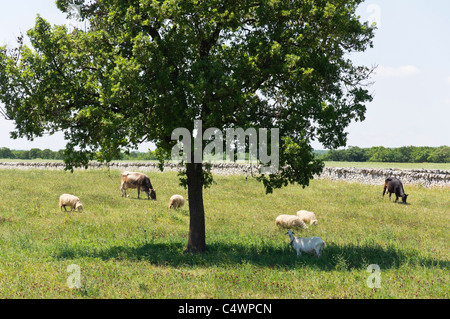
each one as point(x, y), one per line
point(402, 71)
point(448, 80)
point(447, 101)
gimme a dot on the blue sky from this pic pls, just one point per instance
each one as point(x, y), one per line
point(411, 88)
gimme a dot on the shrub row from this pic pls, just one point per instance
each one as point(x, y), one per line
point(405, 154)
point(36, 153)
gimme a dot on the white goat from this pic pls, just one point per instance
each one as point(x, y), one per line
point(176, 201)
point(290, 221)
point(70, 200)
point(308, 218)
point(308, 245)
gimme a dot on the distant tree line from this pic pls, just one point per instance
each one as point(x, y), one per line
point(33, 153)
point(405, 154)
point(36, 153)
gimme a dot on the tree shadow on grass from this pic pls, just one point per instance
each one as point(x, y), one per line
point(334, 257)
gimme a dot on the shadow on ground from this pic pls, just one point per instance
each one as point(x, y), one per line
point(334, 257)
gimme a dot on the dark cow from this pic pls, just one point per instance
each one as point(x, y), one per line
point(394, 185)
point(139, 181)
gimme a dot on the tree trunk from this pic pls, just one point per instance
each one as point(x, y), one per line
point(196, 240)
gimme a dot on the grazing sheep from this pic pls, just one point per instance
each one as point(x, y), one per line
point(70, 200)
point(290, 221)
point(307, 245)
point(308, 218)
point(176, 201)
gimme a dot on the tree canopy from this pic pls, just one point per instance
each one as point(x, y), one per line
point(143, 68)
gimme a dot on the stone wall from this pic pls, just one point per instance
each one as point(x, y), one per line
point(372, 176)
point(425, 177)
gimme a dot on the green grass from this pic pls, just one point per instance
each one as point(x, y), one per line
point(130, 248)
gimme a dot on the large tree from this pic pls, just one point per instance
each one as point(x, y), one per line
point(138, 69)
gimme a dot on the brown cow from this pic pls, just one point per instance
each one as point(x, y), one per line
point(394, 185)
point(139, 181)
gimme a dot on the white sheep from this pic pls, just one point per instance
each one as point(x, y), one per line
point(308, 245)
point(290, 221)
point(176, 201)
point(308, 218)
point(70, 200)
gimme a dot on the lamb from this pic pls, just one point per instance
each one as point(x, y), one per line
point(176, 201)
point(290, 221)
point(308, 218)
point(70, 200)
point(307, 245)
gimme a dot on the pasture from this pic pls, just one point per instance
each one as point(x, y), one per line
point(130, 248)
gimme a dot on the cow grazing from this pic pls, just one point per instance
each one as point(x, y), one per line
point(139, 181)
point(394, 185)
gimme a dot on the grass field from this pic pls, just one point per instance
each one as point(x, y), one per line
point(130, 248)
